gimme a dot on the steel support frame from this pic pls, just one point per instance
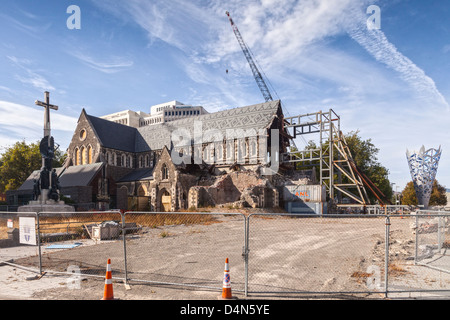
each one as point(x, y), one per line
point(333, 155)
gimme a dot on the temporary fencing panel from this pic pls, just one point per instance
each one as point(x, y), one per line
point(186, 249)
point(310, 254)
point(268, 253)
point(92, 237)
point(433, 240)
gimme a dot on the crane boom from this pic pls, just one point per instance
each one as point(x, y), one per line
point(258, 77)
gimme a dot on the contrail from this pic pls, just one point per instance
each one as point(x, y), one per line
point(376, 44)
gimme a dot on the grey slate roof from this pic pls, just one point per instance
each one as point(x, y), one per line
point(79, 176)
point(137, 175)
point(114, 135)
point(73, 176)
point(250, 118)
point(155, 137)
point(28, 184)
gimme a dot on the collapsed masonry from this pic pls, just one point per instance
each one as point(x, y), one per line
point(247, 188)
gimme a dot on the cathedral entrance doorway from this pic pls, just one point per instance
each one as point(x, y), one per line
point(166, 201)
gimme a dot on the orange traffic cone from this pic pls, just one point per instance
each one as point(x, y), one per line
point(108, 293)
point(226, 289)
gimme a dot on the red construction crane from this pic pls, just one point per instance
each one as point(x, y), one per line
point(258, 77)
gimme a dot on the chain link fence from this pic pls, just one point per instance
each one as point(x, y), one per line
point(433, 240)
point(8, 237)
point(313, 254)
point(269, 254)
point(186, 249)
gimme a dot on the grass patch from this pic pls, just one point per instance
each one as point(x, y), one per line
point(361, 277)
point(164, 234)
point(396, 270)
point(76, 223)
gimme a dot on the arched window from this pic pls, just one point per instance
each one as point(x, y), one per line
point(89, 154)
point(141, 161)
point(219, 152)
point(76, 155)
point(164, 172)
point(83, 155)
point(109, 158)
point(254, 149)
point(230, 151)
point(209, 153)
point(246, 148)
point(147, 161)
point(151, 160)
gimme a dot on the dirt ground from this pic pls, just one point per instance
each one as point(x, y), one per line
point(342, 258)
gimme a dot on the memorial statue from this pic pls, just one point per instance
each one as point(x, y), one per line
point(48, 179)
point(46, 185)
point(36, 189)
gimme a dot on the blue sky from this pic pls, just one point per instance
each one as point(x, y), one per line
point(391, 84)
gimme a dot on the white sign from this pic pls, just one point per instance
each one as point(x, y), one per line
point(27, 230)
point(10, 224)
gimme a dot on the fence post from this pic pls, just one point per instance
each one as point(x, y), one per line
point(416, 249)
point(39, 242)
point(245, 253)
point(386, 259)
point(439, 230)
point(124, 231)
point(443, 223)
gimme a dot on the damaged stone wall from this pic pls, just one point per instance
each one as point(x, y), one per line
point(238, 189)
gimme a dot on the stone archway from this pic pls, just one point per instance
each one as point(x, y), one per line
point(143, 200)
point(165, 200)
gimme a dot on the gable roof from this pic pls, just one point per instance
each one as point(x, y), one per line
point(79, 176)
point(249, 119)
point(154, 137)
point(73, 176)
point(113, 135)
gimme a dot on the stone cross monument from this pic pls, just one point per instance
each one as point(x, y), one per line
point(48, 181)
point(46, 186)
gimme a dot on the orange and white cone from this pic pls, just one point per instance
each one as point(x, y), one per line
point(226, 289)
point(108, 293)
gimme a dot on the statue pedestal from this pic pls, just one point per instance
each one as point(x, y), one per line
point(43, 204)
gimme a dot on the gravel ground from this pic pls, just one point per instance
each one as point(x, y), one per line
point(315, 258)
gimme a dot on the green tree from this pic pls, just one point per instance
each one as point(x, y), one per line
point(438, 195)
point(364, 154)
point(19, 161)
point(409, 195)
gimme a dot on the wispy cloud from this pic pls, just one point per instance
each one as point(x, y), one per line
point(113, 65)
point(179, 23)
point(17, 115)
point(285, 35)
point(5, 89)
point(31, 77)
point(281, 29)
point(35, 30)
point(36, 81)
point(19, 122)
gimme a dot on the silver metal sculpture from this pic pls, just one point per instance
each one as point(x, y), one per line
point(423, 167)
